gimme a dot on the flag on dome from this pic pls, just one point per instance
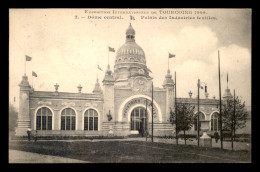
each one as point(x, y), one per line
point(28, 58)
point(34, 74)
point(99, 68)
point(171, 55)
point(111, 49)
point(149, 70)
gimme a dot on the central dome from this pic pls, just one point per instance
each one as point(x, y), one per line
point(130, 63)
point(130, 52)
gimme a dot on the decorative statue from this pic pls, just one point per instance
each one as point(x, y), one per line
point(109, 117)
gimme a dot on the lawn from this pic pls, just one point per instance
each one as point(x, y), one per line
point(131, 152)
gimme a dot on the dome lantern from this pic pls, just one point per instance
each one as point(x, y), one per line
point(130, 34)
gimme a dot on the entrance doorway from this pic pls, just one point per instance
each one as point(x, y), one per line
point(139, 120)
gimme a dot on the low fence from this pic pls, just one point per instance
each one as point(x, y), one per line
point(226, 137)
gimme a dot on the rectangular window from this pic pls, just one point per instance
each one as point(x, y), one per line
point(43, 122)
point(38, 123)
point(137, 125)
point(90, 123)
point(49, 123)
point(211, 124)
point(62, 122)
point(44, 111)
point(137, 113)
point(215, 124)
point(132, 120)
point(73, 122)
point(95, 123)
point(86, 123)
point(141, 113)
point(145, 123)
point(132, 124)
point(67, 122)
point(218, 124)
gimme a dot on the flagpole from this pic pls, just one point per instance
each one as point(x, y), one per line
point(108, 57)
point(233, 121)
point(176, 109)
point(220, 113)
point(97, 71)
point(168, 63)
point(146, 119)
point(152, 111)
point(198, 116)
point(25, 66)
point(235, 116)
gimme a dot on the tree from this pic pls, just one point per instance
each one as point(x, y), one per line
point(232, 121)
point(185, 118)
point(13, 116)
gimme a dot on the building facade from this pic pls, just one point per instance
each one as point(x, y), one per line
point(118, 108)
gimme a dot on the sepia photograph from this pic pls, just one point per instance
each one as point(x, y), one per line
point(128, 85)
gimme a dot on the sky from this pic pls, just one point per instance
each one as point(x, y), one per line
point(66, 49)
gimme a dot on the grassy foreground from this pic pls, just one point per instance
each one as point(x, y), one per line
point(131, 152)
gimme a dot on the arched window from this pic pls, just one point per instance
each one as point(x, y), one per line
point(68, 119)
point(44, 119)
point(215, 124)
point(91, 120)
point(201, 117)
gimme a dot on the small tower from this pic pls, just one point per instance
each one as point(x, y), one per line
point(23, 122)
point(97, 88)
point(168, 84)
point(227, 95)
point(109, 96)
point(206, 92)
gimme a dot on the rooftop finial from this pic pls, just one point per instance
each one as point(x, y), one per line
point(79, 88)
point(56, 87)
point(190, 94)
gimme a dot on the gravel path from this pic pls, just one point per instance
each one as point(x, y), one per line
point(16, 156)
